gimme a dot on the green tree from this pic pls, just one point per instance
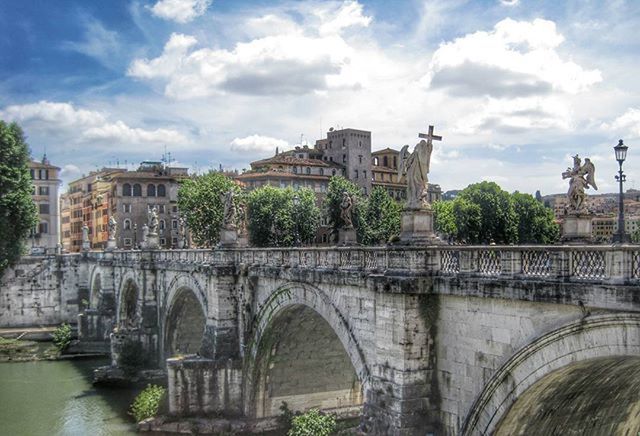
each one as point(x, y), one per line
point(468, 218)
point(498, 219)
point(536, 223)
point(199, 200)
point(274, 219)
point(18, 213)
point(338, 185)
point(382, 218)
point(445, 220)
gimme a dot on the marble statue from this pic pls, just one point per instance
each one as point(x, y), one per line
point(113, 224)
point(182, 231)
point(346, 206)
point(85, 233)
point(241, 218)
point(145, 234)
point(581, 177)
point(229, 214)
point(153, 221)
point(415, 167)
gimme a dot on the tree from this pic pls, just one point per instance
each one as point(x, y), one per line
point(338, 185)
point(274, 220)
point(498, 219)
point(199, 200)
point(382, 218)
point(445, 220)
point(18, 213)
point(536, 223)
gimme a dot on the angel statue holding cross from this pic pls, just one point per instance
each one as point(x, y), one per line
point(415, 167)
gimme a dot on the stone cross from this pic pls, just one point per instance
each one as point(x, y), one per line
point(430, 136)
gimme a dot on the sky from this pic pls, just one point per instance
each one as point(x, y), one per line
point(515, 87)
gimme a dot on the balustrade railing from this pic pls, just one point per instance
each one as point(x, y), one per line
point(581, 263)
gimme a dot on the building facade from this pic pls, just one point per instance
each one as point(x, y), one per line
point(45, 237)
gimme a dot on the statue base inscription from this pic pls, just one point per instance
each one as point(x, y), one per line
point(577, 229)
point(347, 237)
point(417, 228)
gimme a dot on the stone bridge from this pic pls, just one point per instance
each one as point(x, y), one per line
point(434, 340)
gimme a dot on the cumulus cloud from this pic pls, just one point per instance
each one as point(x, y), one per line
point(509, 2)
point(286, 62)
point(257, 143)
point(82, 125)
point(99, 43)
point(515, 59)
point(70, 171)
point(626, 124)
point(181, 11)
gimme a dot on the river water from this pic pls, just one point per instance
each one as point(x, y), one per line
point(57, 398)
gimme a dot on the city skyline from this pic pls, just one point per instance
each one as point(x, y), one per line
point(515, 88)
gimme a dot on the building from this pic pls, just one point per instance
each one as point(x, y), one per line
point(45, 237)
point(352, 149)
point(128, 196)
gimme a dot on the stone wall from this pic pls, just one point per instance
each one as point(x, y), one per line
point(42, 291)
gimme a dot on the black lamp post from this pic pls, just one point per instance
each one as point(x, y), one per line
point(135, 236)
point(296, 203)
point(621, 236)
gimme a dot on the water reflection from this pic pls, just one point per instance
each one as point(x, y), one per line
point(57, 398)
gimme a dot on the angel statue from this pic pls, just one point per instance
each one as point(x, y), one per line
point(113, 224)
point(346, 205)
point(415, 167)
point(153, 221)
point(581, 177)
point(229, 211)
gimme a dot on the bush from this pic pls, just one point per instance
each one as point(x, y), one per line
point(312, 423)
point(147, 403)
point(62, 336)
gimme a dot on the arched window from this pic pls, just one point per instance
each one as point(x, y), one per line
point(295, 170)
point(385, 161)
point(126, 190)
point(333, 172)
point(151, 190)
point(375, 161)
point(395, 161)
point(308, 170)
point(137, 190)
point(127, 224)
point(322, 171)
point(162, 225)
point(162, 192)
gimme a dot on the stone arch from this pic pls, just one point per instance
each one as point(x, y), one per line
point(589, 339)
point(184, 325)
point(95, 291)
point(129, 303)
point(290, 307)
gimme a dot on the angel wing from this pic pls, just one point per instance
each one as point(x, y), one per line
point(404, 156)
point(590, 172)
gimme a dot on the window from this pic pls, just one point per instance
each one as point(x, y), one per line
point(364, 174)
point(162, 192)
point(163, 225)
point(174, 209)
point(359, 143)
point(163, 241)
point(375, 161)
point(137, 190)
point(344, 142)
point(126, 190)
point(46, 174)
point(395, 161)
point(33, 190)
point(161, 208)
point(174, 242)
point(295, 170)
point(43, 227)
point(322, 171)
point(344, 158)
point(333, 172)
point(331, 158)
point(330, 144)
point(41, 174)
point(151, 190)
point(174, 224)
point(308, 170)
point(126, 208)
point(385, 161)
point(283, 184)
point(44, 208)
point(127, 242)
point(127, 224)
point(360, 158)
point(356, 173)
point(33, 174)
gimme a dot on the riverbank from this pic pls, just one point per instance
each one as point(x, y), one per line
point(17, 350)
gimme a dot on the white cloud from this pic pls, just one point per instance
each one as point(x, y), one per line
point(283, 62)
point(509, 2)
point(181, 11)
point(258, 144)
point(99, 43)
point(515, 59)
point(70, 171)
point(82, 125)
point(626, 124)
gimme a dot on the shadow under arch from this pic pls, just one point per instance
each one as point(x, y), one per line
point(129, 304)
point(301, 320)
point(95, 290)
point(184, 324)
point(592, 338)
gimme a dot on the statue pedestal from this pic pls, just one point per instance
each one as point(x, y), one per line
point(86, 246)
point(416, 228)
point(577, 229)
point(347, 236)
point(229, 238)
point(153, 242)
point(111, 245)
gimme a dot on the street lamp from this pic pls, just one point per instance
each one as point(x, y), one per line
point(135, 236)
point(621, 236)
point(296, 203)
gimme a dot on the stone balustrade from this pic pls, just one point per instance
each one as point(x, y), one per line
point(595, 263)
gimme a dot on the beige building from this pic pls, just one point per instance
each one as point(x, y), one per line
point(45, 237)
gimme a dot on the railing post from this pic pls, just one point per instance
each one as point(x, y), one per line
point(618, 263)
point(467, 261)
point(561, 263)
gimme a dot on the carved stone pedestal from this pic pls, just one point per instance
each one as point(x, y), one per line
point(86, 246)
point(111, 245)
point(229, 238)
point(153, 242)
point(347, 237)
point(577, 229)
point(416, 228)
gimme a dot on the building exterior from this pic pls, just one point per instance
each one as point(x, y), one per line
point(45, 237)
point(352, 149)
point(128, 196)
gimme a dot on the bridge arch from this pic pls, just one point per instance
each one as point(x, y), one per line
point(603, 341)
point(299, 331)
point(129, 312)
point(95, 290)
point(185, 317)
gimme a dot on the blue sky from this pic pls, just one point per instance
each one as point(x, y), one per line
point(515, 87)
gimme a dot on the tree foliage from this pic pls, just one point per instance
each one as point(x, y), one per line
point(18, 213)
point(382, 215)
point(274, 220)
point(199, 201)
point(147, 403)
point(62, 336)
point(483, 213)
point(312, 423)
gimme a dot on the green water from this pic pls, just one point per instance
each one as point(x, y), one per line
point(57, 398)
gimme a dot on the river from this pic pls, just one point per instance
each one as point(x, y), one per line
point(57, 398)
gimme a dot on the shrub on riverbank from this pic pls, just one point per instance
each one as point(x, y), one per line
point(147, 403)
point(312, 423)
point(62, 336)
